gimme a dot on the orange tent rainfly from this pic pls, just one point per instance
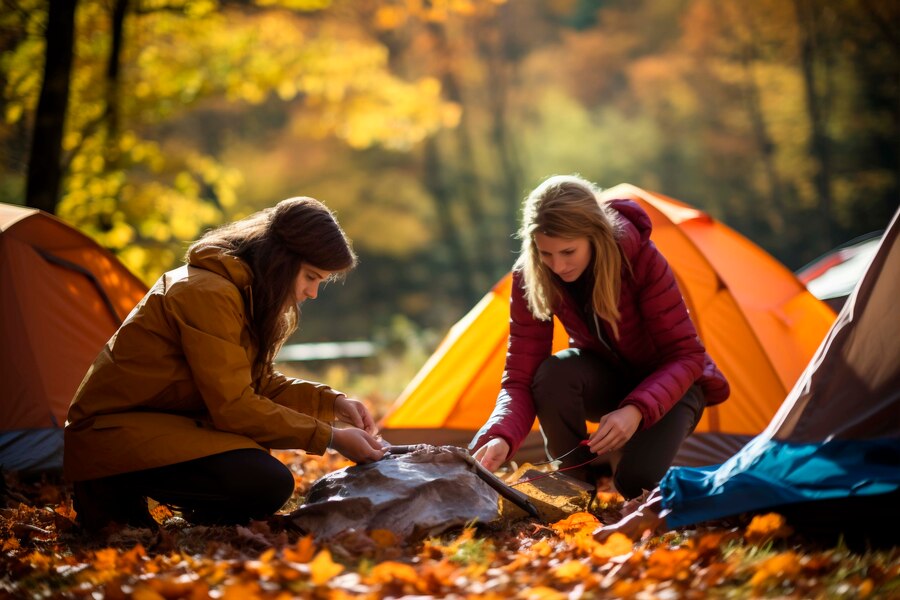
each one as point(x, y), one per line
point(61, 297)
point(758, 322)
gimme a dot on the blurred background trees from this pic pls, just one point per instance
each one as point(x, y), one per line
point(423, 123)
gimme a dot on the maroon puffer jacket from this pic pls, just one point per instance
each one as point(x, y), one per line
point(657, 343)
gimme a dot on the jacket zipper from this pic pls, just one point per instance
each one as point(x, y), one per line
point(600, 334)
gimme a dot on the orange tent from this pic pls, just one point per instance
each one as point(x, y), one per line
point(61, 297)
point(756, 319)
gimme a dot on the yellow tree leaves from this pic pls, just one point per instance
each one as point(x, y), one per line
point(144, 193)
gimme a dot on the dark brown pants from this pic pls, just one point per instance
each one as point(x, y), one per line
point(574, 386)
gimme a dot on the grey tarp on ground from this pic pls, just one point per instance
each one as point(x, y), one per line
point(421, 493)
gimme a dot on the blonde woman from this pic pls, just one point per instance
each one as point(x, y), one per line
point(635, 364)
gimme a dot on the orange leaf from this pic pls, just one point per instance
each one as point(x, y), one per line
point(542, 548)
point(665, 564)
point(105, 559)
point(172, 587)
point(392, 572)
point(65, 509)
point(575, 522)
point(161, 512)
point(132, 558)
point(440, 574)
point(143, 592)
point(781, 566)
point(322, 569)
point(627, 589)
point(542, 593)
point(766, 527)
point(617, 545)
point(39, 561)
point(302, 552)
point(571, 570)
point(241, 590)
point(517, 563)
point(710, 544)
point(609, 499)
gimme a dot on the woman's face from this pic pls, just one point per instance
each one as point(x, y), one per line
point(567, 257)
point(307, 283)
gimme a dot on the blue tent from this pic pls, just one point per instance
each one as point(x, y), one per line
point(836, 437)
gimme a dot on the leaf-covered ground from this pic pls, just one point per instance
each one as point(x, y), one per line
point(45, 556)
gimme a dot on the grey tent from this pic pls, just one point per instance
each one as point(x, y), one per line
point(834, 445)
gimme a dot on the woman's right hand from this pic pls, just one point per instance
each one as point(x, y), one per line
point(493, 454)
point(357, 444)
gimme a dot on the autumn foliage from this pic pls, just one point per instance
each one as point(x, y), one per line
point(45, 555)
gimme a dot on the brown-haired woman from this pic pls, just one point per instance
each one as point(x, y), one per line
point(635, 364)
point(183, 403)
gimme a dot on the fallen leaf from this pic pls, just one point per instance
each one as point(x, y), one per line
point(322, 569)
point(575, 522)
point(146, 593)
point(618, 544)
point(302, 552)
point(664, 564)
point(391, 571)
point(541, 593)
point(241, 590)
point(777, 568)
point(571, 570)
point(763, 528)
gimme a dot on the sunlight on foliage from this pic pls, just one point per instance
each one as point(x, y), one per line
point(146, 200)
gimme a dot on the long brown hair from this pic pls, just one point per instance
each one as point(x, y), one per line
point(567, 206)
point(274, 243)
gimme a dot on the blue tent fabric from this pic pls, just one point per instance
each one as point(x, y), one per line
point(837, 434)
point(31, 450)
point(770, 473)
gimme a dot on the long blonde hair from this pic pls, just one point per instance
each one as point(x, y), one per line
point(568, 207)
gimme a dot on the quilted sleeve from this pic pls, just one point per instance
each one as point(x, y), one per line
point(530, 343)
point(679, 354)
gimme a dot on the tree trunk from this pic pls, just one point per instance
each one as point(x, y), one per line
point(483, 262)
point(113, 68)
point(760, 131)
point(820, 147)
point(44, 163)
point(434, 182)
point(501, 60)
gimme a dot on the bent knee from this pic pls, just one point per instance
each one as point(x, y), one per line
point(266, 488)
point(555, 372)
point(632, 484)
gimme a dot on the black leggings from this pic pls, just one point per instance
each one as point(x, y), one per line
point(574, 386)
point(227, 488)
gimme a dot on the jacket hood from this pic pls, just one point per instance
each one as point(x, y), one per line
point(216, 260)
point(635, 225)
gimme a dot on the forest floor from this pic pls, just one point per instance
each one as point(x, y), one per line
point(45, 555)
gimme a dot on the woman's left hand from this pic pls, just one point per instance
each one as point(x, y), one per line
point(353, 412)
point(615, 429)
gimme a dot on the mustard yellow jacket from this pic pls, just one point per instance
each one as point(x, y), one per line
point(174, 383)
